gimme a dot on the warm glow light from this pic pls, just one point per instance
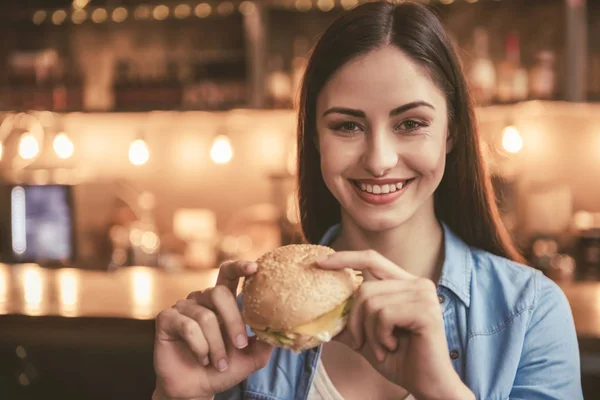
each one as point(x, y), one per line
point(247, 8)
point(142, 293)
point(221, 151)
point(63, 146)
point(99, 15)
point(325, 5)
point(583, 220)
point(511, 139)
point(80, 4)
point(78, 16)
point(303, 5)
point(33, 290)
point(138, 152)
point(4, 285)
point(39, 17)
point(225, 8)
point(150, 242)
point(446, 1)
point(1, 151)
point(182, 11)
point(59, 17)
point(472, 1)
point(160, 12)
point(142, 12)
point(68, 286)
point(120, 14)
point(348, 4)
point(28, 146)
point(203, 10)
point(135, 236)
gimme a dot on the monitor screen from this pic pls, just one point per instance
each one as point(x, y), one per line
point(41, 223)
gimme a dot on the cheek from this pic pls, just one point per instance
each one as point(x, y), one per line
point(335, 159)
point(429, 161)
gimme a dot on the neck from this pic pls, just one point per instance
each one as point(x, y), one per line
point(417, 245)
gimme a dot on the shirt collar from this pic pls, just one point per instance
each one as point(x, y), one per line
point(457, 267)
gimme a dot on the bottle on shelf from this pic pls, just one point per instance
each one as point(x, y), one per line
point(482, 74)
point(542, 77)
point(512, 77)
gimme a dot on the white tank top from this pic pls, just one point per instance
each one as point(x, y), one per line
point(322, 388)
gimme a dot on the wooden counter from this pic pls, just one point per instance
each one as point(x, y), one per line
point(133, 292)
point(78, 334)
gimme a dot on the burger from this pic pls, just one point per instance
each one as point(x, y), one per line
point(292, 303)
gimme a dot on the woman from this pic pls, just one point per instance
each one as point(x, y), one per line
point(392, 177)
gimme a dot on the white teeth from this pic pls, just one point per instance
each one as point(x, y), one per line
point(381, 189)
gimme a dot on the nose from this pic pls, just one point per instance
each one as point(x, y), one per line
point(380, 154)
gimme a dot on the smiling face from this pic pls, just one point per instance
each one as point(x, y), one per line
point(383, 137)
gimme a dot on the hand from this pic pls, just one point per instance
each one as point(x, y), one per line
point(396, 323)
point(201, 347)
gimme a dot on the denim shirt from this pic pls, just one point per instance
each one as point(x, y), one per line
point(509, 329)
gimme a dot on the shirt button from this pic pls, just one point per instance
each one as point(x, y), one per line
point(441, 298)
point(454, 354)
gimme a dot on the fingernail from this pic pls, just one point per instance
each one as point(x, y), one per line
point(321, 259)
point(250, 266)
point(205, 361)
point(222, 365)
point(241, 341)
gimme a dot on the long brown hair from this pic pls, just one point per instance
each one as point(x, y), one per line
point(464, 199)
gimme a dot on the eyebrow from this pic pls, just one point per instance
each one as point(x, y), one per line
point(394, 112)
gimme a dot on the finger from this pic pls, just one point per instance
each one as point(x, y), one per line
point(355, 323)
point(372, 308)
point(382, 324)
point(368, 260)
point(387, 325)
point(223, 302)
point(230, 273)
point(177, 326)
point(209, 324)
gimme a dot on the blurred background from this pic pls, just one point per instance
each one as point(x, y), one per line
point(142, 143)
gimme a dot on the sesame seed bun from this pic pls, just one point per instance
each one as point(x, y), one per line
point(289, 290)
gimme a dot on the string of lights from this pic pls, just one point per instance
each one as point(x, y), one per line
point(83, 11)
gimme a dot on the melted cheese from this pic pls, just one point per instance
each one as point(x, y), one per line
point(325, 323)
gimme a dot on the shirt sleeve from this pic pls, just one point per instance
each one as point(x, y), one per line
point(549, 367)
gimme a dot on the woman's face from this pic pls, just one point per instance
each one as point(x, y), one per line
point(383, 136)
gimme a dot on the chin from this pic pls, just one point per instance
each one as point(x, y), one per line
point(378, 221)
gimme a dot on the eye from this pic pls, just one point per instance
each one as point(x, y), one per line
point(347, 127)
point(410, 125)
